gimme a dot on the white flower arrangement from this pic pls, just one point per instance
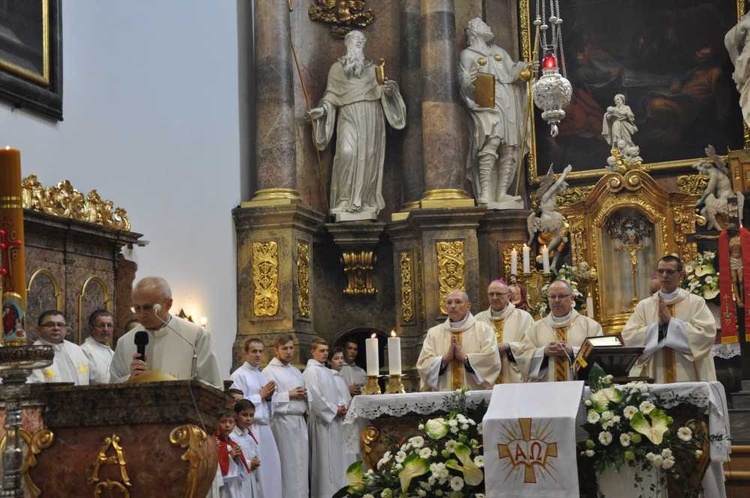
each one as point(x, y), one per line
point(701, 276)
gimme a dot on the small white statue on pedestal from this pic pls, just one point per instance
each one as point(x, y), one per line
point(618, 128)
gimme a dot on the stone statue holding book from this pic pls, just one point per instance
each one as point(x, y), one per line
point(493, 88)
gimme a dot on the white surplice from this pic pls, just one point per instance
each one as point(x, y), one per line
point(69, 365)
point(478, 343)
point(327, 454)
point(579, 327)
point(690, 335)
point(344, 399)
point(249, 380)
point(170, 350)
point(252, 487)
point(290, 429)
point(354, 374)
point(511, 326)
point(100, 356)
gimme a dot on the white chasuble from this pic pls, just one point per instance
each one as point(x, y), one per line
point(70, 364)
point(100, 356)
point(327, 457)
point(572, 331)
point(290, 429)
point(478, 343)
point(685, 353)
point(511, 327)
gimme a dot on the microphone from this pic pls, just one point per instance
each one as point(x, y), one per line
point(194, 364)
point(141, 341)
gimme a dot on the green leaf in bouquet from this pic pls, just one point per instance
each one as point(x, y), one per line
point(473, 475)
point(414, 466)
point(653, 430)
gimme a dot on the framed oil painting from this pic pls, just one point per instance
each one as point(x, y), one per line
point(31, 55)
point(666, 57)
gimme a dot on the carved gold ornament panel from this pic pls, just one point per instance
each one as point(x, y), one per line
point(265, 278)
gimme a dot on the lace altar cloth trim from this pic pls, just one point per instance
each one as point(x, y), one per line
point(369, 407)
point(726, 351)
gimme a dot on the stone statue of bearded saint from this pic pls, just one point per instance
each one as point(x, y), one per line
point(353, 90)
point(495, 133)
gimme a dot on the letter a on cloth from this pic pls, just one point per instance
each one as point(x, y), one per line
point(529, 440)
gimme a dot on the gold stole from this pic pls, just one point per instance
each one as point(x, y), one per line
point(562, 365)
point(457, 367)
point(670, 374)
point(499, 325)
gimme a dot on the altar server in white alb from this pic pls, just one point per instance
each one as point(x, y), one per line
point(261, 391)
point(354, 375)
point(461, 352)
point(288, 422)
point(97, 348)
point(327, 457)
point(511, 326)
point(676, 328)
point(337, 364)
point(70, 363)
point(171, 340)
point(554, 340)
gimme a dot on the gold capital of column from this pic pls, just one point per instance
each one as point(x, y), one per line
point(273, 197)
point(446, 198)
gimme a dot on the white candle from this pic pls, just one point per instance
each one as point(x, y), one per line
point(373, 361)
point(545, 259)
point(514, 262)
point(394, 354)
point(590, 306)
point(526, 259)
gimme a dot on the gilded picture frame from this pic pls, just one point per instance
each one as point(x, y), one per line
point(31, 55)
point(667, 58)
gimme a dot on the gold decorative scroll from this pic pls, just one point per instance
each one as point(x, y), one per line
point(358, 267)
point(342, 15)
point(692, 184)
point(407, 291)
point(265, 278)
point(118, 458)
point(41, 440)
point(194, 439)
point(303, 279)
point(451, 262)
point(65, 201)
point(573, 195)
point(419, 290)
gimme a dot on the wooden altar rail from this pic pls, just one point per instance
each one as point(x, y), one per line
point(737, 472)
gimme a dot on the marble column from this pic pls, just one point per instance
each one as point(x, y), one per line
point(275, 147)
point(444, 156)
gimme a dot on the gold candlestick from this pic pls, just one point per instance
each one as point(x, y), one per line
point(394, 385)
point(372, 386)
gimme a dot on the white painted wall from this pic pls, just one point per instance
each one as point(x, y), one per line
point(150, 103)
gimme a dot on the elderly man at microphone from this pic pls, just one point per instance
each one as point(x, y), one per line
point(171, 345)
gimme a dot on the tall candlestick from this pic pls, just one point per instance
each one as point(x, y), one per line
point(526, 259)
point(514, 261)
point(373, 361)
point(590, 306)
point(12, 256)
point(394, 354)
point(545, 259)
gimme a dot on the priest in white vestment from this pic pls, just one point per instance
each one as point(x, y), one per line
point(261, 391)
point(327, 457)
point(337, 364)
point(288, 421)
point(676, 328)
point(171, 340)
point(554, 340)
point(461, 352)
point(97, 348)
point(510, 325)
point(70, 364)
point(354, 375)
point(361, 101)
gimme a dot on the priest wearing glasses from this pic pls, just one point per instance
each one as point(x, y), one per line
point(172, 341)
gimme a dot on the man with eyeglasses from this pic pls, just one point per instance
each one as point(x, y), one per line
point(70, 363)
point(556, 338)
point(676, 328)
point(172, 340)
point(511, 326)
point(97, 345)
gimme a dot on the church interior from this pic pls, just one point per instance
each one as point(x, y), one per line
point(240, 151)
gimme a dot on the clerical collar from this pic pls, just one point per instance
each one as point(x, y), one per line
point(56, 346)
point(460, 323)
point(163, 325)
point(561, 319)
point(670, 296)
point(497, 314)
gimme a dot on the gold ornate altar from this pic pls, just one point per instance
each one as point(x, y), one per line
point(622, 226)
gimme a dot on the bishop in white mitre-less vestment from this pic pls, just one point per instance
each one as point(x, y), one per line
point(510, 326)
point(69, 365)
point(327, 458)
point(249, 380)
point(571, 329)
point(100, 356)
point(477, 341)
point(683, 349)
point(289, 428)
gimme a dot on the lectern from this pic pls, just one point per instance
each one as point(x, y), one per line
point(610, 353)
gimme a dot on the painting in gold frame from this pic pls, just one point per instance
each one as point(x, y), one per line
point(667, 58)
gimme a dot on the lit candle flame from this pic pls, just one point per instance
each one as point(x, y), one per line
point(393, 333)
point(374, 335)
point(7, 147)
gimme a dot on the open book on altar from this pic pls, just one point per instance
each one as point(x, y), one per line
point(610, 353)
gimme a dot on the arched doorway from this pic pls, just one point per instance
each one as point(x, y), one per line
point(358, 335)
